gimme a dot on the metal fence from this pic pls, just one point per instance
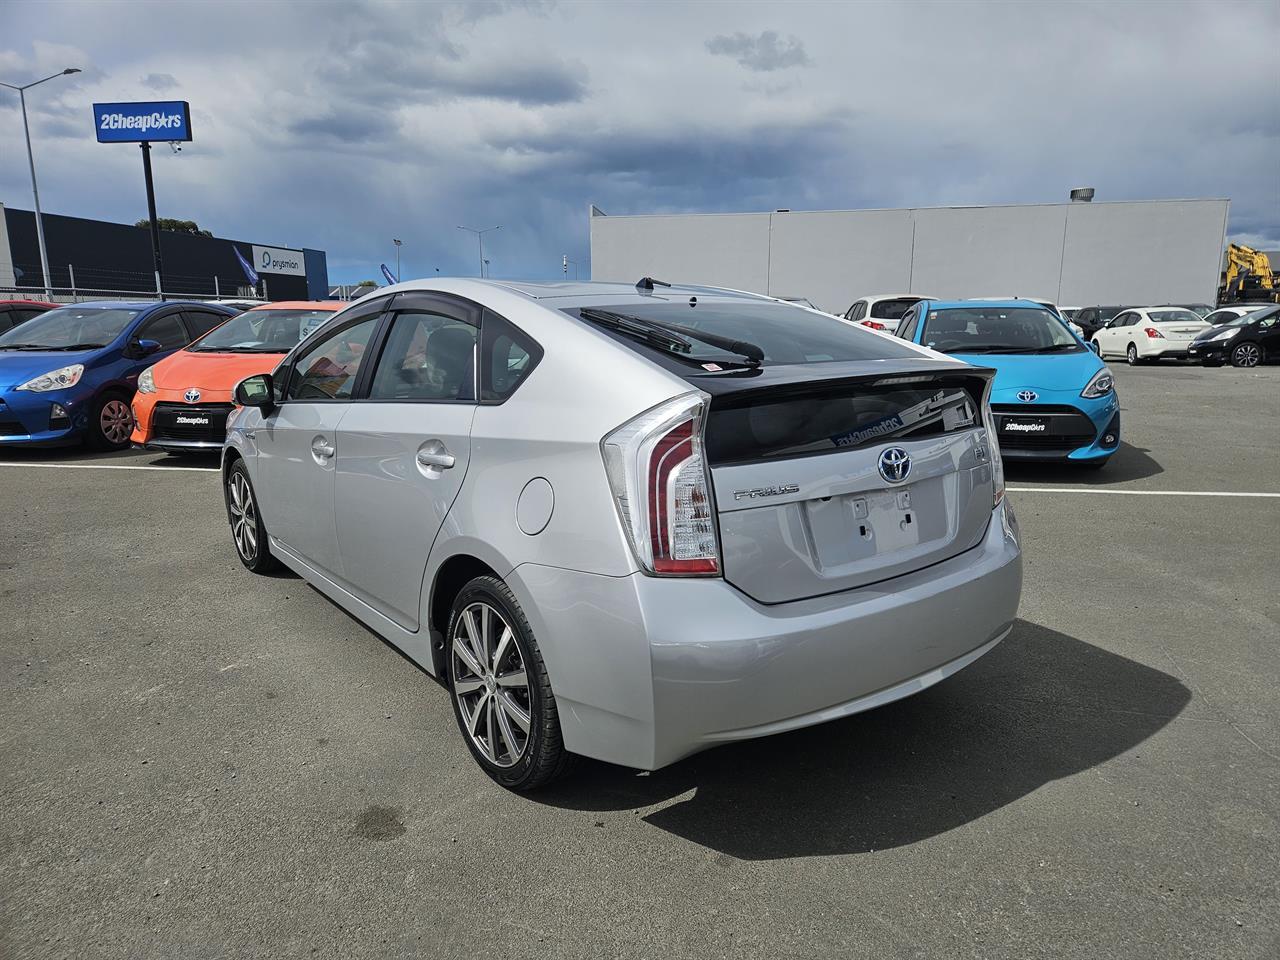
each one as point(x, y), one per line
point(72, 284)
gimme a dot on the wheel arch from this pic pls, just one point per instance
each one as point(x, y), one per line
point(449, 579)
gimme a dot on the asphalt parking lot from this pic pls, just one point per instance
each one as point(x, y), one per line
point(199, 762)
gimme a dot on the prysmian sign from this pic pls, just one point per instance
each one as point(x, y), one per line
point(135, 122)
point(277, 260)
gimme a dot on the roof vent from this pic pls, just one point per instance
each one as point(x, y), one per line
point(1082, 195)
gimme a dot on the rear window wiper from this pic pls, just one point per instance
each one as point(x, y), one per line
point(750, 352)
point(635, 327)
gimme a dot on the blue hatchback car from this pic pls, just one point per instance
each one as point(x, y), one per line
point(1053, 398)
point(69, 375)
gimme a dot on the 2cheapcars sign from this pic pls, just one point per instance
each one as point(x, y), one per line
point(277, 260)
point(135, 122)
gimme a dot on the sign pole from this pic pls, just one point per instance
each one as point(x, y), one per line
point(151, 211)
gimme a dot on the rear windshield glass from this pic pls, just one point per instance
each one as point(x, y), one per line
point(785, 333)
point(827, 418)
point(1174, 316)
point(997, 330)
point(893, 309)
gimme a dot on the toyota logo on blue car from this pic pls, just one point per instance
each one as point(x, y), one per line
point(1026, 343)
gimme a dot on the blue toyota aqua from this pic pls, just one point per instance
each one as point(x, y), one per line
point(69, 374)
point(1053, 398)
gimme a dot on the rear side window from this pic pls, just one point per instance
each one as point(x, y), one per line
point(168, 330)
point(508, 356)
point(836, 417)
point(7, 319)
point(199, 322)
point(428, 356)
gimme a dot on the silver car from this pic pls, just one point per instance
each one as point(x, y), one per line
point(631, 522)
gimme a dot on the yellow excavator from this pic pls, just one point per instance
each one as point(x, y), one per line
point(1248, 277)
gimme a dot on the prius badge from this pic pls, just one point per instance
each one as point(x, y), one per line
point(775, 491)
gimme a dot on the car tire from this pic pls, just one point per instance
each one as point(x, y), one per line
point(500, 690)
point(1094, 346)
point(1131, 355)
point(247, 532)
point(1247, 354)
point(110, 421)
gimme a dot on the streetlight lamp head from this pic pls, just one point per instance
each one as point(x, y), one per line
point(71, 70)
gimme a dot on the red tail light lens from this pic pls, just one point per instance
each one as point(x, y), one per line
point(873, 324)
point(1153, 333)
point(658, 475)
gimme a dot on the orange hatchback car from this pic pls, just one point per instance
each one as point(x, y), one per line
point(183, 401)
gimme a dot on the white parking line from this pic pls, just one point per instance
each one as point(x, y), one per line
point(1142, 493)
point(109, 466)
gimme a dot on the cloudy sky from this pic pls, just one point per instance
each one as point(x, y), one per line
point(340, 126)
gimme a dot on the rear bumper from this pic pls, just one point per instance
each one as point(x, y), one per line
point(649, 670)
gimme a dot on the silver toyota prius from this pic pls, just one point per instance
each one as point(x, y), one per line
point(631, 522)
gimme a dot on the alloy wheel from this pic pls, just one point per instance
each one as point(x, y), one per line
point(1246, 355)
point(244, 517)
point(491, 685)
point(116, 421)
point(1132, 355)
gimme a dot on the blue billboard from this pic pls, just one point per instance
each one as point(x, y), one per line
point(135, 122)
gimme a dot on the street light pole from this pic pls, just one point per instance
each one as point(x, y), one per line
point(480, 236)
point(397, 243)
point(31, 161)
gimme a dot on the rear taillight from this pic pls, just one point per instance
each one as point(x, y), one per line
point(657, 472)
point(1153, 333)
point(874, 325)
point(993, 448)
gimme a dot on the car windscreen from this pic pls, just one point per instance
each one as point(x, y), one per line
point(262, 331)
point(67, 328)
point(997, 330)
point(892, 309)
point(785, 334)
point(1174, 316)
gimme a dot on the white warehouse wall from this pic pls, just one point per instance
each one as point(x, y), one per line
point(1076, 254)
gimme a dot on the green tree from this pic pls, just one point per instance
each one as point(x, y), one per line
point(367, 283)
point(177, 226)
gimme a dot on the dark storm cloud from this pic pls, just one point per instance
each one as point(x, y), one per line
point(765, 52)
point(341, 125)
point(159, 82)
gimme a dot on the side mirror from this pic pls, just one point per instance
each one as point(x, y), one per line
point(144, 348)
point(256, 391)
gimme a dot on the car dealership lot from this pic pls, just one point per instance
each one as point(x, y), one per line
point(197, 761)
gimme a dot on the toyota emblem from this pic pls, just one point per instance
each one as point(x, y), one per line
point(895, 464)
point(1028, 396)
point(192, 395)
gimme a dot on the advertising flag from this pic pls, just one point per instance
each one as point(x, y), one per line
point(391, 277)
point(246, 267)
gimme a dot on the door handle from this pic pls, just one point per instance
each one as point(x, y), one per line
point(442, 460)
point(322, 449)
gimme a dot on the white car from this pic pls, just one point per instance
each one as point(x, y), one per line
point(884, 311)
point(1227, 314)
point(1140, 334)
